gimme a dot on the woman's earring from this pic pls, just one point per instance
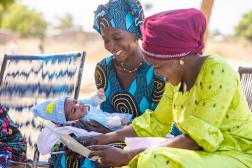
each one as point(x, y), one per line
point(181, 62)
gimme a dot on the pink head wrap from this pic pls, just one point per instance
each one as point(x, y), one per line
point(173, 34)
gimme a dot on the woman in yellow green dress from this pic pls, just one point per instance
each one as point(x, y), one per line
point(203, 97)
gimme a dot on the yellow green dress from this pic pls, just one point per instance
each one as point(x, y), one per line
point(214, 113)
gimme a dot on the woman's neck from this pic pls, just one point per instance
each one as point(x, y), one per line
point(192, 66)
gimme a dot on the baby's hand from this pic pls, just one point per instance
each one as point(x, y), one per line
point(100, 93)
point(125, 121)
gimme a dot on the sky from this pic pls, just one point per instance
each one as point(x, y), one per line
point(225, 15)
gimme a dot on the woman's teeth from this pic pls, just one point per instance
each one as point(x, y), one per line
point(117, 53)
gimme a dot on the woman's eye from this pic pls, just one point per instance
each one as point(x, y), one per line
point(117, 38)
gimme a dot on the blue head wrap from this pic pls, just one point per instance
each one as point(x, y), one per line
point(52, 110)
point(122, 14)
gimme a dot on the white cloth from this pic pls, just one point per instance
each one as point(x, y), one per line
point(49, 136)
point(114, 122)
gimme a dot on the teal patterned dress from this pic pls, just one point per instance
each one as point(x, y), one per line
point(144, 92)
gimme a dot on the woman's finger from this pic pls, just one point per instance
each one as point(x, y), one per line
point(100, 154)
point(80, 157)
point(97, 147)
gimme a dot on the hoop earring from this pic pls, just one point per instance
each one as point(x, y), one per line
point(181, 62)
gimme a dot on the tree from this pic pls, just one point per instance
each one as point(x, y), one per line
point(65, 22)
point(4, 4)
point(244, 28)
point(25, 21)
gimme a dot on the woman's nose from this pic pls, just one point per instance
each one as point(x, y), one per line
point(111, 46)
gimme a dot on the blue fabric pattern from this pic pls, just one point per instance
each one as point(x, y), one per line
point(122, 14)
point(144, 92)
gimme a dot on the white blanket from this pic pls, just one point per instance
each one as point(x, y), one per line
point(49, 136)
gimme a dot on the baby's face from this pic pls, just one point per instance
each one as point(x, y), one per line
point(74, 110)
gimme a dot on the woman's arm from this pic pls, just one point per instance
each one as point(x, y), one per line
point(111, 156)
point(115, 136)
point(182, 141)
point(107, 138)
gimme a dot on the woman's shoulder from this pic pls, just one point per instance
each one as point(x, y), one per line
point(215, 68)
point(105, 61)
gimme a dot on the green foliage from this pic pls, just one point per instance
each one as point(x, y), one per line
point(244, 28)
point(5, 3)
point(65, 22)
point(25, 21)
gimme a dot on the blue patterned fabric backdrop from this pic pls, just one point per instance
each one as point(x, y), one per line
point(28, 80)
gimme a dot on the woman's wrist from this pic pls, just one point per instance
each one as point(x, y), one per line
point(115, 136)
point(104, 139)
point(129, 155)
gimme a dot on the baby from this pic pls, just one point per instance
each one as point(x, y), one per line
point(67, 110)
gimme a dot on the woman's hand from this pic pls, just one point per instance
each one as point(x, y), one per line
point(92, 125)
point(72, 155)
point(88, 141)
point(109, 156)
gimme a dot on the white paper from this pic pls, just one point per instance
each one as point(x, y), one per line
point(76, 146)
point(143, 142)
point(48, 137)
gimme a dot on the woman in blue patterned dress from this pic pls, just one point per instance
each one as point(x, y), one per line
point(129, 82)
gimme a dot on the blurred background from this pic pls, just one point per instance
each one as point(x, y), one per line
point(53, 26)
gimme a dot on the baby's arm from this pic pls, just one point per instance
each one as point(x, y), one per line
point(99, 97)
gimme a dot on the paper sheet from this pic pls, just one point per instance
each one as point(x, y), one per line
point(76, 146)
point(143, 142)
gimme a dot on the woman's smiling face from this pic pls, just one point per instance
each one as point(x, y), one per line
point(119, 42)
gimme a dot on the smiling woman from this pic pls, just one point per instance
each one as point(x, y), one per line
point(203, 96)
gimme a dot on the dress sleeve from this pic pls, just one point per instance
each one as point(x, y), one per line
point(100, 76)
point(213, 97)
point(157, 123)
point(157, 91)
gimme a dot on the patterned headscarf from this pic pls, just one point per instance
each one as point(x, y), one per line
point(122, 14)
point(174, 34)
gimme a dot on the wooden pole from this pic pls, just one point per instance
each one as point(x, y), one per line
point(206, 8)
